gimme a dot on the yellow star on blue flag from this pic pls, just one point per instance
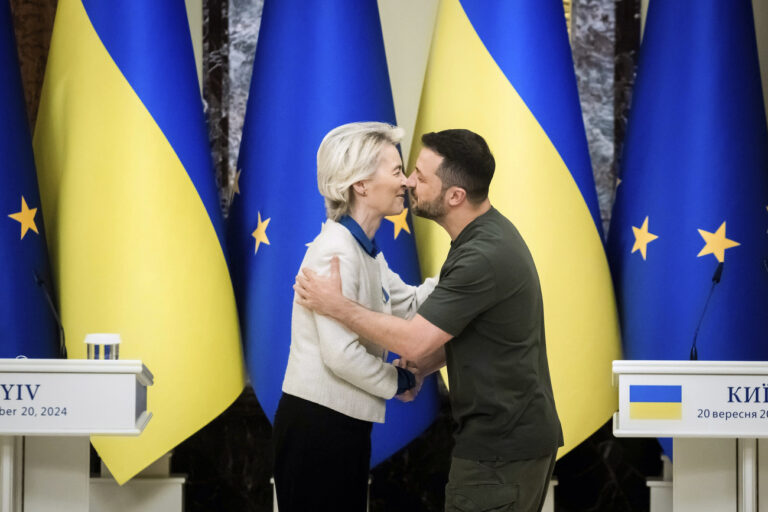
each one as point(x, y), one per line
point(716, 243)
point(642, 238)
point(26, 217)
point(399, 222)
point(260, 233)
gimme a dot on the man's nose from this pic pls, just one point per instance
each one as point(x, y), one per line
point(410, 182)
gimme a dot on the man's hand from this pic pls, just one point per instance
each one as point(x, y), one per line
point(430, 363)
point(319, 293)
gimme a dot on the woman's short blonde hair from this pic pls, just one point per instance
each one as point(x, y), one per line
point(350, 153)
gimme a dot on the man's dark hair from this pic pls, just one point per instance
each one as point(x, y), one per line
point(467, 161)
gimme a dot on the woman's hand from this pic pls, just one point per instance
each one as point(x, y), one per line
point(410, 395)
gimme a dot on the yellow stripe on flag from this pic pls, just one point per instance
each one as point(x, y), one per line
point(464, 88)
point(133, 249)
point(656, 410)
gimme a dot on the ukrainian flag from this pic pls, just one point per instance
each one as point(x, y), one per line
point(318, 65)
point(504, 70)
point(27, 322)
point(655, 402)
point(694, 189)
point(132, 211)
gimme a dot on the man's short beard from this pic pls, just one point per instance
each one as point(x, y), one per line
point(433, 210)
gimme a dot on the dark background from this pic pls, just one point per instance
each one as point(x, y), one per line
point(228, 468)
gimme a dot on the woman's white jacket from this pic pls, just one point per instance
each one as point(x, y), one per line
point(331, 365)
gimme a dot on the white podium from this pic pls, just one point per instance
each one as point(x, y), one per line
point(717, 413)
point(60, 403)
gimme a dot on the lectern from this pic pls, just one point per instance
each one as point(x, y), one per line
point(716, 412)
point(57, 400)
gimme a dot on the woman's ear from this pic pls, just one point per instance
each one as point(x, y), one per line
point(359, 188)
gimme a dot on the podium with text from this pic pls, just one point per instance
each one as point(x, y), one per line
point(717, 414)
point(60, 403)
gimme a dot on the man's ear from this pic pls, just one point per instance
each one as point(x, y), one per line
point(456, 196)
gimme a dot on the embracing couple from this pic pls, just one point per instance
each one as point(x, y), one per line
point(483, 317)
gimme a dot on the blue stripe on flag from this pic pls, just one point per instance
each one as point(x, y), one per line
point(529, 42)
point(161, 70)
point(655, 393)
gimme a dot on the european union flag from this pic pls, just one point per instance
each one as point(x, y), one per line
point(318, 65)
point(694, 189)
point(27, 324)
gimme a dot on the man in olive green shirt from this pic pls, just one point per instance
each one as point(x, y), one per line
point(485, 319)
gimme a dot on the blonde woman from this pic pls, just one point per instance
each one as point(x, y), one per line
point(336, 383)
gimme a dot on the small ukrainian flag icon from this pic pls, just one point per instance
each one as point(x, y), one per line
point(655, 402)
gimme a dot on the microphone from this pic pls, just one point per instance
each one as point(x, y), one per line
point(41, 283)
point(715, 279)
point(718, 273)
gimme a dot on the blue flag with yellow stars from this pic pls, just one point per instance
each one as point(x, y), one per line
point(27, 322)
point(688, 243)
point(318, 65)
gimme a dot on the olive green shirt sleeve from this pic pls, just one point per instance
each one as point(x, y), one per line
point(466, 289)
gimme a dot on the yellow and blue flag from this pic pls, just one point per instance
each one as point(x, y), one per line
point(27, 322)
point(318, 65)
point(504, 70)
point(693, 193)
point(132, 211)
point(648, 402)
